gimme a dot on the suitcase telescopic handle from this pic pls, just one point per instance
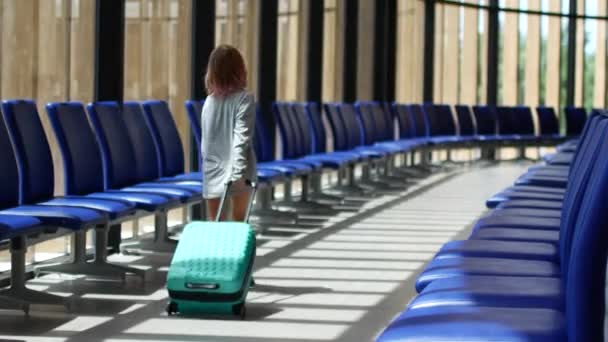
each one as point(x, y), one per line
point(224, 198)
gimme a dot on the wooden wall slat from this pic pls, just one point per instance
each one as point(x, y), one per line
point(483, 53)
point(553, 68)
point(405, 27)
point(532, 58)
point(451, 48)
point(470, 62)
point(365, 50)
point(330, 28)
point(580, 56)
point(418, 53)
point(599, 89)
point(510, 55)
point(438, 62)
point(19, 46)
point(82, 49)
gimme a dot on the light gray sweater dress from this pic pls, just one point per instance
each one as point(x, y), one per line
point(227, 125)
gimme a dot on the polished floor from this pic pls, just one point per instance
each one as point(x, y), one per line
point(342, 281)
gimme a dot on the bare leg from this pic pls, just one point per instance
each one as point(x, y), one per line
point(212, 208)
point(240, 203)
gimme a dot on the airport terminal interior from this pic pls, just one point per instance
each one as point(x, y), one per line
point(426, 170)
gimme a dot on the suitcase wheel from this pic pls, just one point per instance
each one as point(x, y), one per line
point(171, 308)
point(239, 310)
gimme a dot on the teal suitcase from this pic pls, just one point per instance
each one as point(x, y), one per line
point(211, 270)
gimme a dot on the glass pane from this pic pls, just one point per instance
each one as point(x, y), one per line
point(157, 56)
point(235, 25)
point(329, 54)
point(288, 52)
point(410, 21)
point(460, 56)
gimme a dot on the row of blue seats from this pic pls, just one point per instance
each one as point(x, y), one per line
point(534, 268)
point(124, 161)
point(119, 164)
point(363, 134)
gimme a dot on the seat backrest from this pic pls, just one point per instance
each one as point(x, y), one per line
point(116, 146)
point(586, 280)
point(577, 182)
point(338, 128)
point(366, 119)
point(315, 116)
point(290, 135)
point(445, 118)
point(431, 118)
point(524, 120)
point(466, 120)
point(404, 121)
point(31, 149)
point(385, 127)
point(194, 110)
point(168, 142)
point(82, 162)
point(485, 117)
point(143, 143)
point(507, 121)
point(302, 122)
point(352, 124)
point(419, 121)
point(547, 120)
point(261, 141)
point(9, 182)
point(575, 120)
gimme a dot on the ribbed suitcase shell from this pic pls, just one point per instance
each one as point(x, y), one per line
point(211, 268)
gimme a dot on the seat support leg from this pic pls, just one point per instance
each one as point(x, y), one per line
point(266, 213)
point(99, 267)
point(305, 205)
point(161, 242)
point(18, 296)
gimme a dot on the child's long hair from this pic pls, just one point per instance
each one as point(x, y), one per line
point(226, 72)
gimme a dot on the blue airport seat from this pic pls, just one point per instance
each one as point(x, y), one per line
point(296, 136)
point(84, 166)
point(455, 287)
point(168, 143)
point(310, 130)
point(548, 123)
point(443, 268)
point(33, 157)
point(17, 229)
point(575, 120)
point(500, 249)
point(84, 170)
point(406, 126)
point(573, 201)
point(494, 291)
point(76, 212)
point(111, 131)
point(442, 128)
point(476, 324)
point(587, 151)
point(12, 226)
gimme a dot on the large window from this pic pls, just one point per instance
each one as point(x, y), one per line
point(46, 54)
point(532, 52)
point(460, 58)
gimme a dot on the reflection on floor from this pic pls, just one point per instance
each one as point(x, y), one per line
point(343, 281)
